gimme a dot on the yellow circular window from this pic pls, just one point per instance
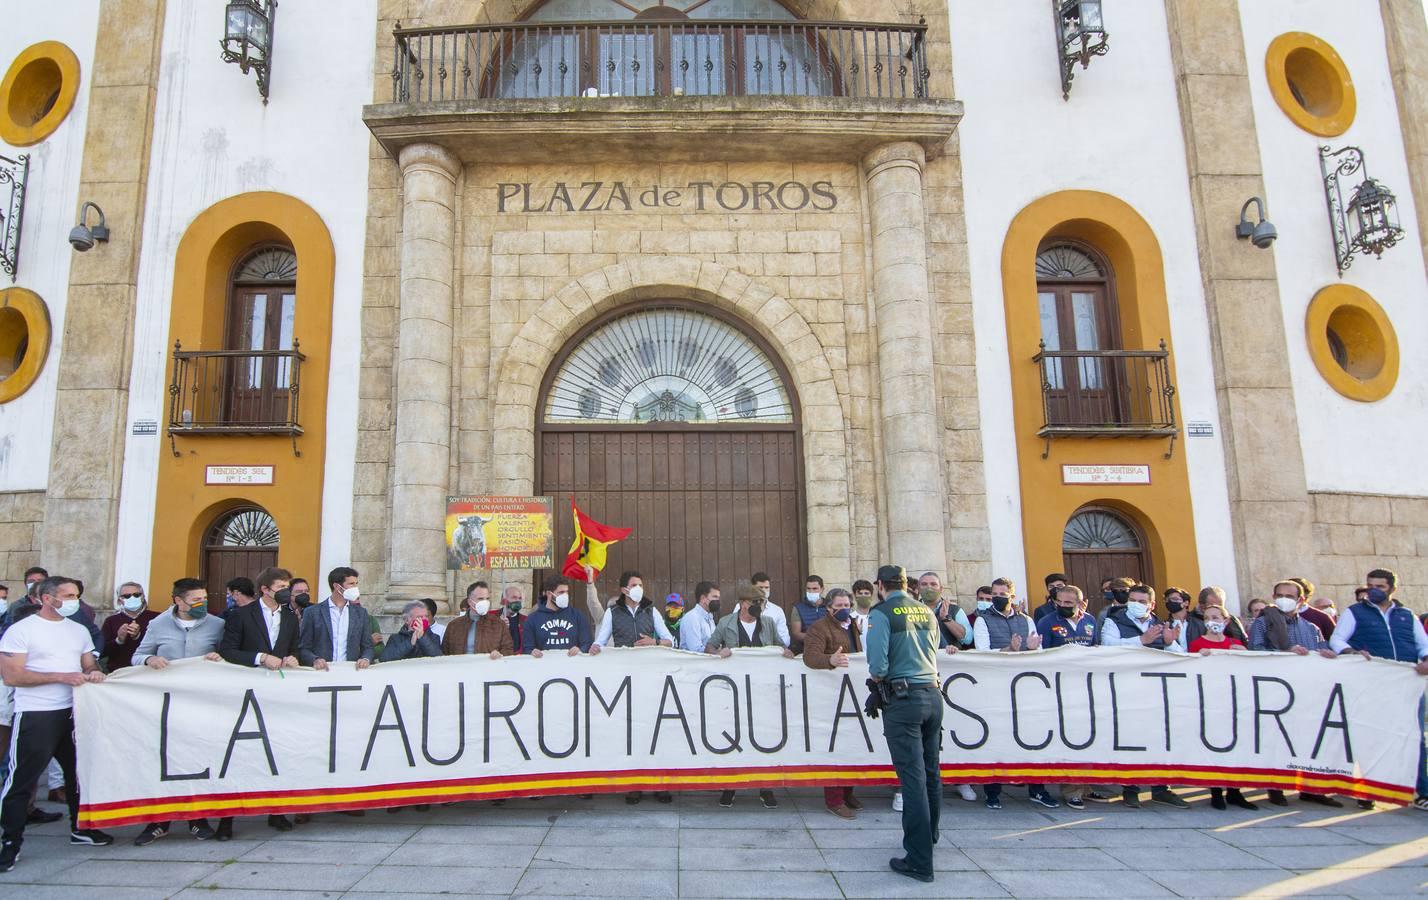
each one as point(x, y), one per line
point(1352, 343)
point(24, 340)
point(37, 93)
point(1310, 83)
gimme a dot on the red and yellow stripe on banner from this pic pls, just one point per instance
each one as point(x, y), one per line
point(129, 812)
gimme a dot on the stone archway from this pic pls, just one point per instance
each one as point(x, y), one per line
point(523, 365)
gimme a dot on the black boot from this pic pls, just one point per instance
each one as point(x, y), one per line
point(1235, 798)
point(1217, 798)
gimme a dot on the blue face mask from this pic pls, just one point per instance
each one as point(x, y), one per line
point(842, 615)
point(1377, 595)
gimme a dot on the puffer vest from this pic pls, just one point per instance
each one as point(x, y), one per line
point(1000, 628)
point(627, 627)
point(1392, 642)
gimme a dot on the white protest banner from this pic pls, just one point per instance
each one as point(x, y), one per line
point(210, 739)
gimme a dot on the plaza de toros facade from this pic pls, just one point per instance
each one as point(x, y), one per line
point(784, 286)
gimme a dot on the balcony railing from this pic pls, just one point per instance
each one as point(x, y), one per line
point(235, 391)
point(1106, 392)
point(660, 59)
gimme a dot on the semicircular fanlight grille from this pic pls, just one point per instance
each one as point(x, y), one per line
point(1097, 530)
point(1064, 262)
point(667, 365)
point(244, 528)
point(272, 264)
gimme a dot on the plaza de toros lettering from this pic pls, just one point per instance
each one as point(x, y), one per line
point(697, 196)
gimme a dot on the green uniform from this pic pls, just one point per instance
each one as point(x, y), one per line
point(902, 640)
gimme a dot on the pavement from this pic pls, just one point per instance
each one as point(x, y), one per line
point(566, 847)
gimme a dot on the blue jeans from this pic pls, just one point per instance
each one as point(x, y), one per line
point(913, 728)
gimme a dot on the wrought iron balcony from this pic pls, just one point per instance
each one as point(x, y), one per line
point(654, 58)
point(1101, 393)
point(235, 391)
point(678, 89)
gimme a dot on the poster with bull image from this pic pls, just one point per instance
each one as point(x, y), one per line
point(499, 533)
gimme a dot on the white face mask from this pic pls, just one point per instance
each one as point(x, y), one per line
point(637, 594)
point(133, 604)
point(1215, 627)
point(983, 605)
point(811, 596)
point(69, 608)
point(351, 594)
point(1137, 610)
point(482, 607)
point(563, 600)
point(1286, 604)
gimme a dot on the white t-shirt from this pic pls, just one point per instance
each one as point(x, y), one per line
point(48, 647)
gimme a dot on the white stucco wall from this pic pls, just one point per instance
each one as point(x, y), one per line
point(1348, 445)
point(1120, 133)
point(214, 138)
point(51, 202)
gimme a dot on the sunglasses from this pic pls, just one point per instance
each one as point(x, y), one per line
point(129, 596)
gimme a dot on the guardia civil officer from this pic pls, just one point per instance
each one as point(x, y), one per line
point(902, 660)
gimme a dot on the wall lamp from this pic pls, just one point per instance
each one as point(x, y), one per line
point(1261, 233)
point(82, 236)
point(1369, 223)
point(1080, 35)
point(248, 38)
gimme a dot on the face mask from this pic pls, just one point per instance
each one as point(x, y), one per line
point(1377, 595)
point(756, 609)
point(562, 601)
point(811, 596)
point(765, 592)
point(1137, 610)
point(351, 594)
point(929, 597)
point(842, 615)
point(637, 594)
point(133, 604)
point(284, 597)
point(1066, 611)
point(983, 605)
point(1215, 627)
point(1286, 604)
point(482, 608)
point(1001, 603)
point(230, 603)
point(1108, 596)
point(1120, 596)
point(674, 612)
point(714, 607)
point(864, 603)
point(1174, 606)
point(514, 606)
point(69, 607)
point(198, 611)
point(303, 600)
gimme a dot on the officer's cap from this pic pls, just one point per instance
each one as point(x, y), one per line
point(892, 574)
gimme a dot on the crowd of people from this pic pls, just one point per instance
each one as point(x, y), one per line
point(51, 642)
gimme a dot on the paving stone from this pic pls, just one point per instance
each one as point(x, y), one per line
point(565, 853)
point(292, 876)
point(1354, 856)
point(994, 838)
point(1042, 860)
point(173, 847)
point(759, 818)
point(885, 883)
point(618, 818)
point(375, 832)
point(30, 891)
point(198, 893)
point(743, 838)
point(866, 838)
point(1236, 882)
point(725, 883)
point(522, 835)
point(130, 873)
point(1022, 881)
point(1395, 833)
point(944, 859)
point(605, 883)
point(1286, 836)
point(337, 852)
point(437, 879)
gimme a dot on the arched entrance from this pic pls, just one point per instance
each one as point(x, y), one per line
point(675, 421)
point(242, 541)
point(1101, 543)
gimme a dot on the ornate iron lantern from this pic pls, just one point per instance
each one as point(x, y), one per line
point(1080, 35)
point(1369, 222)
point(14, 172)
point(248, 38)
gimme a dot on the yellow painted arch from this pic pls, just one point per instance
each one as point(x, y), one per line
point(31, 328)
point(1162, 508)
point(43, 75)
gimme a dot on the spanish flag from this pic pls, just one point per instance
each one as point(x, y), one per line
point(591, 541)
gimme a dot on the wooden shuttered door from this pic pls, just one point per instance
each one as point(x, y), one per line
point(706, 504)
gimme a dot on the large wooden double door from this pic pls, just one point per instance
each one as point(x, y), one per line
point(713, 503)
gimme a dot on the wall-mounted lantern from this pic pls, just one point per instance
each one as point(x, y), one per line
point(1080, 35)
point(13, 172)
point(1368, 223)
point(248, 38)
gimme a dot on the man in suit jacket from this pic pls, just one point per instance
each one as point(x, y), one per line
point(264, 633)
point(337, 629)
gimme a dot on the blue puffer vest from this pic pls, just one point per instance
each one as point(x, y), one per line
point(1000, 628)
point(1394, 641)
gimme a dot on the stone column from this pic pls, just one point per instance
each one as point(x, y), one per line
point(422, 454)
point(1406, 34)
point(1269, 499)
point(903, 307)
